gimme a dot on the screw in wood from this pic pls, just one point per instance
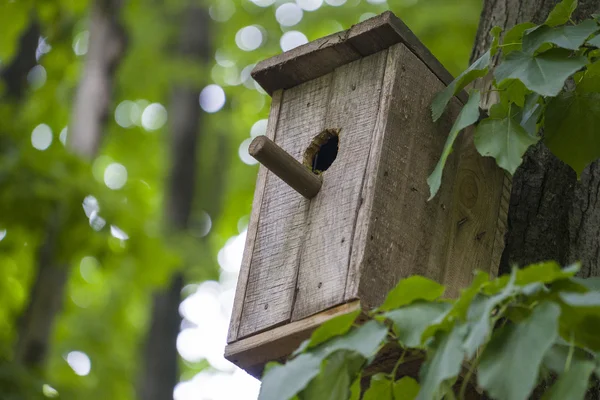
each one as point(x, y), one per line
point(286, 167)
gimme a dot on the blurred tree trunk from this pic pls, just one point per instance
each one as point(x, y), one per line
point(14, 76)
point(90, 111)
point(160, 371)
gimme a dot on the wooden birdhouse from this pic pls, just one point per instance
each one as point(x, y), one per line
point(341, 210)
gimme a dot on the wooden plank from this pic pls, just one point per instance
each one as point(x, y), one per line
point(254, 352)
point(477, 209)
point(324, 55)
point(325, 254)
point(405, 234)
point(240, 292)
point(271, 283)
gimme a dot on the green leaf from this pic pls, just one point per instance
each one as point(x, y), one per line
point(443, 364)
point(532, 110)
point(495, 32)
point(505, 140)
point(512, 91)
point(356, 389)
point(406, 388)
point(591, 283)
point(411, 289)
point(513, 38)
point(283, 382)
point(561, 13)
point(337, 373)
point(573, 383)
point(334, 327)
point(478, 69)
point(411, 321)
point(588, 299)
point(380, 388)
point(595, 41)
point(543, 73)
point(468, 116)
point(509, 365)
point(571, 128)
point(561, 356)
point(364, 340)
point(543, 272)
point(567, 37)
point(479, 316)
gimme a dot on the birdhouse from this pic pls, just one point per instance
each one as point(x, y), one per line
point(341, 210)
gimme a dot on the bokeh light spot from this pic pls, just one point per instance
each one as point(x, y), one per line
point(222, 10)
point(263, 3)
point(36, 77)
point(335, 3)
point(123, 113)
point(62, 136)
point(249, 38)
point(212, 98)
point(89, 267)
point(244, 155)
point(288, 14)
point(154, 116)
point(115, 176)
point(41, 137)
point(79, 362)
point(259, 128)
point(118, 233)
point(2, 234)
point(49, 391)
point(80, 43)
point(292, 39)
point(309, 5)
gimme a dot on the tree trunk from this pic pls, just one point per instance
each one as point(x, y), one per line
point(551, 214)
point(160, 372)
point(106, 47)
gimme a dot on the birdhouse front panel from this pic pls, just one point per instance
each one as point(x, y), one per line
point(341, 210)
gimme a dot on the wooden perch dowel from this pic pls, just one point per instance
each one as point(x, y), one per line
point(286, 167)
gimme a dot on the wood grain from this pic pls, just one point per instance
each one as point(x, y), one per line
point(261, 180)
point(324, 55)
point(270, 288)
point(325, 255)
point(253, 352)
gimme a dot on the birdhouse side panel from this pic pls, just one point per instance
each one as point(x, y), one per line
point(325, 255)
point(273, 264)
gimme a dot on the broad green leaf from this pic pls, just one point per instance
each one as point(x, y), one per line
point(406, 388)
point(589, 299)
point(283, 382)
point(411, 321)
point(561, 13)
point(571, 128)
point(573, 383)
point(531, 113)
point(478, 69)
point(592, 283)
point(514, 36)
point(505, 140)
point(459, 308)
point(364, 340)
point(561, 356)
point(356, 389)
point(595, 41)
point(580, 324)
point(411, 289)
point(443, 363)
point(495, 32)
point(512, 91)
point(337, 373)
point(509, 365)
point(334, 327)
point(543, 73)
point(380, 388)
point(479, 316)
point(567, 37)
point(468, 116)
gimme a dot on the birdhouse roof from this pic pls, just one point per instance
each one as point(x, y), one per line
point(322, 56)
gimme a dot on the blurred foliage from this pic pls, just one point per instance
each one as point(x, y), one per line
point(106, 308)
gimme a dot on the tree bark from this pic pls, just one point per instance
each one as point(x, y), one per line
point(14, 75)
point(551, 214)
point(160, 371)
point(106, 48)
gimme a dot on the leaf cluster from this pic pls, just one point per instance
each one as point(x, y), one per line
point(505, 337)
point(545, 85)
